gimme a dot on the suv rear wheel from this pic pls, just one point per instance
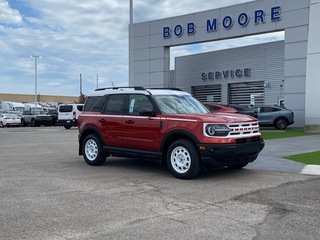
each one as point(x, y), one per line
point(92, 150)
point(281, 124)
point(183, 159)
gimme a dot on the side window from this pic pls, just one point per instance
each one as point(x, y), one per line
point(264, 109)
point(212, 107)
point(93, 103)
point(139, 104)
point(80, 107)
point(116, 104)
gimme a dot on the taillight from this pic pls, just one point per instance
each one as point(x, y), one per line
point(74, 114)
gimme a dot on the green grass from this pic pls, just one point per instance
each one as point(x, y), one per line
point(306, 158)
point(274, 134)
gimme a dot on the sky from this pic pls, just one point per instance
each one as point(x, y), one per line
point(87, 38)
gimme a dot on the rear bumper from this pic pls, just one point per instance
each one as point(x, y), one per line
point(43, 121)
point(67, 122)
point(220, 155)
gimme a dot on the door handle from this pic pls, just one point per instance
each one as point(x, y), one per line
point(102, 120)
point(129, 121)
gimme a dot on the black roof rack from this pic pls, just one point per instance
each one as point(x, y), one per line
point(114, 88)
point(177, 89)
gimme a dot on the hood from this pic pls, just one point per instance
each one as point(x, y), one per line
point(214, 117)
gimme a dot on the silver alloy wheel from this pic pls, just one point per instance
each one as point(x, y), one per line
point(180, 159)
point(91, 150)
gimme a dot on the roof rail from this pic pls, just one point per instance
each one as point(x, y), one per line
point(176, 89)
point(114, 88)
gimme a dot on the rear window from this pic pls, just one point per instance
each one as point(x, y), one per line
point(65, 108)
point(93, 104)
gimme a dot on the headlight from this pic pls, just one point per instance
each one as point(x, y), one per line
point(216, 130)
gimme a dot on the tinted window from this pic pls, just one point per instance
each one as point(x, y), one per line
point(116, 104)
point(80, 107)
point(65, 108)
point(52, 111)
point(212, 107)
point(269, 109)
point(93, 104)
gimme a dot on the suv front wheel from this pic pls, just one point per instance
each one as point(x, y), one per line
point(183, 159)
point(92, 150)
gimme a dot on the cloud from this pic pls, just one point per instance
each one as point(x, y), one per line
point(73, 37)
point(9, 15)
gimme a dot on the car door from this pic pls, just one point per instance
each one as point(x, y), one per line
point(111, 120)
point(265, 115)
point(141, 126)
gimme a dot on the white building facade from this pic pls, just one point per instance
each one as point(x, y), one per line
point(271, 73)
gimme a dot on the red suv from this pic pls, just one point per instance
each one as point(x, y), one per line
point(165, 124)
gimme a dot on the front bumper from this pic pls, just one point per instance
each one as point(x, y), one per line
point(220, 155)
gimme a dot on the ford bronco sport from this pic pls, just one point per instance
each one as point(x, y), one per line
point(165, 124)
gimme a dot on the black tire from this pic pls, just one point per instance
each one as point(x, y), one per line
point(67, 126)
point(1, 125)
point(92, 150)
point(183, 159)
point(33, 123)
point(280, 123)
point(23, 123)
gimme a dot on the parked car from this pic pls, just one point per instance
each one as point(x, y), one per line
point(243, 109)
point(35, 118)
point(9, 119)
point(53, 113)
point(215, 107)
point(68, 115)
point(167, 125)
point(279, 117)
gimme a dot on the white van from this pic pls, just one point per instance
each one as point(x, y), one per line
point(68, 115)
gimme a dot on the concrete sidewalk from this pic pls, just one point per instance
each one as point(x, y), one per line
point(271, 157)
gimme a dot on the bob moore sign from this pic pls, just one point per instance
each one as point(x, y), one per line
point(227, 22)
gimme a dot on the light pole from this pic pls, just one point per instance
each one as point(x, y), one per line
point(35, 79)
point(131, 42)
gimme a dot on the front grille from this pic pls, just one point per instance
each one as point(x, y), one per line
point(244, 129)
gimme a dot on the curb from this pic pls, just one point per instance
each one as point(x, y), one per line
point(311, 170)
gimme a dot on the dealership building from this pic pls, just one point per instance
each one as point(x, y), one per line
point(274, 73)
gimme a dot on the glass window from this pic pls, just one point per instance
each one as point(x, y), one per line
point(94, 103)
point(179, 104)
point(65, 108)
point(80, 107)
point(139, 104)
point(116, 104)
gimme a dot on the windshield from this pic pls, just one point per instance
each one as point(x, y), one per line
point(179, 104)
point(38, 112)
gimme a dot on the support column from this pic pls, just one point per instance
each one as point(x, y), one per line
point(312, 118)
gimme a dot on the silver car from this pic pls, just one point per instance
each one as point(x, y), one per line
point(276, 116)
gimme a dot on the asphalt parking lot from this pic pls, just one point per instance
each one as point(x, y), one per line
point(49, 192)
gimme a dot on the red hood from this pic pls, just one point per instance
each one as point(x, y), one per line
point(214, 117)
